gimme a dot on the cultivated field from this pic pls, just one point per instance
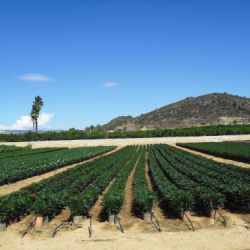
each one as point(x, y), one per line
point(239, 151)
point(142, 196)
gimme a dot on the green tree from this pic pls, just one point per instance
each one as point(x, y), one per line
point(35, 111)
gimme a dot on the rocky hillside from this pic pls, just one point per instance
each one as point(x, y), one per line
point(211, 109)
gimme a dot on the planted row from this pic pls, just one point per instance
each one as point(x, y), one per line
point(174, 198)
point(238, 173)
point(9, 148)
point(236, 191)
point(27, 151)
point(15, 169)
point(230, 150)
point(143, 197)
point(114, 198)
point(84, 201)
point(206, 198)
point(48, 197)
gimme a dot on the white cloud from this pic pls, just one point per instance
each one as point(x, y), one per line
point(110, 84)
point(34, 78)
point(25, 122)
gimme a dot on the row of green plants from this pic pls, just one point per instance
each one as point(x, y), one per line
point(231, 150)
point(15, 169)
point(236, 191)
point(27, 151)
point(174, 198)
point(9, 148)
point(87, 186)
point(205, 197)
point(114, 198)
point(49, 196)
point(143, 197)
point(74, 134)
point(85, 200)
point(238, 173)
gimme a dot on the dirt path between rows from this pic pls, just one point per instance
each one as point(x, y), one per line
point(7, 189)
point(96, 210)
point(128, 200)
point(215, 158)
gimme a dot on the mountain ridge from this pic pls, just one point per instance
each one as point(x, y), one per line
point(205, 110)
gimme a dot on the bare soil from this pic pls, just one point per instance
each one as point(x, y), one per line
point(140, 235)
point(96, 211)
point(9, 188)
point(129, 141)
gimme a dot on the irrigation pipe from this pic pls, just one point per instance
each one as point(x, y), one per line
point(117, 219)
point(192, 226)
point(59, 227)
point(90, 227)
point(30, 226)
point(157, 226)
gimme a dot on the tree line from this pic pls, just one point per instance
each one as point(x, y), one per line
point(74, 134)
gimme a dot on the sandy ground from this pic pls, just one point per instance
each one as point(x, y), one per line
point(138, 235)
point(129, 141)
point(9, 188)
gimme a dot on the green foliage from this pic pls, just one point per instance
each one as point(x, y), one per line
point(42, 162)
point(15, 205)
point(114, 198)
point(176, 199)
point(27, 151)
point(232, 182)
point(77, 188)
point(9, 149)
point(143, 197)
point(74, 134)
point(207, 198)
point(230, 150)
point(182, 181)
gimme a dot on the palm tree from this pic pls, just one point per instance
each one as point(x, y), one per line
point(34, 114)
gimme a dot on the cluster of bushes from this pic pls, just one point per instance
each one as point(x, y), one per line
point(74, 134)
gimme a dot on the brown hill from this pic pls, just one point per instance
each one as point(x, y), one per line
point(210, 109)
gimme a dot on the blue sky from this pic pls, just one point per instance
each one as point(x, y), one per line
point(94, 60)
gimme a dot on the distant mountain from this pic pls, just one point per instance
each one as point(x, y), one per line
point(13, 131)
point(210, 109)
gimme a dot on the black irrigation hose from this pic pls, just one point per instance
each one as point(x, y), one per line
point(90, 227)
point(192, 226)
point(30, 226)
point(117, 219)
point(62, 225)
point(224, 222)
point(157, 226)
